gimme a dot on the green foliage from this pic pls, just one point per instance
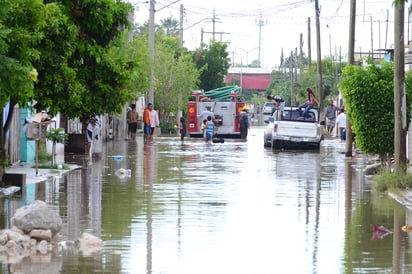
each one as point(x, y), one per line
point(368, 94)
point(131, 60)
point(52, 166)
point(386, 180)
point(176, 76)
point(170, 26)
point(43, 156)
point(168, 127)
point(57, 135)
point(213, 63)
point(5, 160)
point(293, 90)
point(18, 40)
point(78, 71)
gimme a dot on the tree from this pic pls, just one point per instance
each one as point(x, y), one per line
point(18, 40)
point(78, 75)
point(176, 76)
point(213, 63)
point(170, 26)
point(56, 135)
point(368, 94)
point(133, 57)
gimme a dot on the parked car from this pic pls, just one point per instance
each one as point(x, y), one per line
point(268, 108)
point(293, 131)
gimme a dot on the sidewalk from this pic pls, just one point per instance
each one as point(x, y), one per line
point(42, 175)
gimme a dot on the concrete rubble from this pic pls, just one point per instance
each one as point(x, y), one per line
point(35, 232)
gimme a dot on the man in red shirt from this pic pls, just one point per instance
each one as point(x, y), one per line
point(147, 128)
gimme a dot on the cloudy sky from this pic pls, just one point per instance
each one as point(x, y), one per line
point(268, 26)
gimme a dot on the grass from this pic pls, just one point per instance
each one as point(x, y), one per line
point(49, 166)
point(388, 180)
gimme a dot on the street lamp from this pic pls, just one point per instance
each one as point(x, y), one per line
point(247, 54)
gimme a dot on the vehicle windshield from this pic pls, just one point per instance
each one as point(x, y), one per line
point(294, 115)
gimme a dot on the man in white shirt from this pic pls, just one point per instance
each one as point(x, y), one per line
point(204, 114)
point(154, 120)
point(341, 122)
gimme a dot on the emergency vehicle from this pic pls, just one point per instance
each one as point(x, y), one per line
point(226, 103)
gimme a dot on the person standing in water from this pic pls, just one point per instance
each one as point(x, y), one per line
point(209, 130)
point(182, 128)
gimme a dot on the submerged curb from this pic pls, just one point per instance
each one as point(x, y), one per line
point(42, 174)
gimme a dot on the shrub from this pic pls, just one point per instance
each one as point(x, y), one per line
point(168, 128)
point(386, 180)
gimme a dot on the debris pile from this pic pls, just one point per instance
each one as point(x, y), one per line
point(35, 231)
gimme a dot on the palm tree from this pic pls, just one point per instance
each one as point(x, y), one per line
point(170, 26)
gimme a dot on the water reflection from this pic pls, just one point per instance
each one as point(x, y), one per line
point(226, 208)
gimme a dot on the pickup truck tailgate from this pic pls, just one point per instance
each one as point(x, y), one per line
point(297, 129)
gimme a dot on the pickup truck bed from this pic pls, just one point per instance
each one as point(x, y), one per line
point(293, 131)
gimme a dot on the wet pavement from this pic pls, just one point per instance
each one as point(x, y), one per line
point(236, 207)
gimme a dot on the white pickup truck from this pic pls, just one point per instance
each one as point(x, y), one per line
point(293, 131)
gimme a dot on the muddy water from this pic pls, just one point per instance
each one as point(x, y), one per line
point(168, 207)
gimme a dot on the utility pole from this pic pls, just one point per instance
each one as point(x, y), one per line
point(214, 20)
point(399, 89)
point(182, 10)
point(260, 24)
point(214, 33)
point(351, 61)
point(309, 49)
point(387, 21)
point(292, 95)
point(214, 24)
point(301, 58)
point(151, 38)
point(371, 37)
point(295, 64)
point(151, 49)
point(319, 57)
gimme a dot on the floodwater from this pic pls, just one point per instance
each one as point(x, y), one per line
point(222, 208)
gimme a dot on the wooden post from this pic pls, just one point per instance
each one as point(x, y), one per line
point(37, 156)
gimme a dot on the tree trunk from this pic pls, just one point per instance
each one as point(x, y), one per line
point(53, 154)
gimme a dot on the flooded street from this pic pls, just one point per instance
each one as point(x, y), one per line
point(236, 207)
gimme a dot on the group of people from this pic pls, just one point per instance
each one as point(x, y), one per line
point(150, 122)
point(207, 127)
point(333, 114)
point(208, 123)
